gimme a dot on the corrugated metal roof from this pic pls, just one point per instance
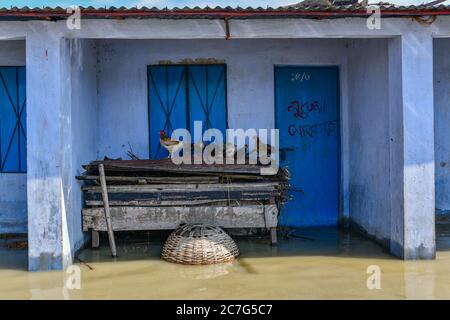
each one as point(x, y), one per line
point(306, 9)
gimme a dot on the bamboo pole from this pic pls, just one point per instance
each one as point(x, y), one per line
point(112, 242)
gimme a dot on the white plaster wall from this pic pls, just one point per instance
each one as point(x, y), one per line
point(13, 187)
point(122, 81)
point(84, 125)
point(442, 121)
point(369, 137)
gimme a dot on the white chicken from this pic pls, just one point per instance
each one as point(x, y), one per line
point(169, 144)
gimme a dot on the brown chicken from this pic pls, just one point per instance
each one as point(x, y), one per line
point(169, 144)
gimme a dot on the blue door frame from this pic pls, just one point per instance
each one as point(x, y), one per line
point(307, 113)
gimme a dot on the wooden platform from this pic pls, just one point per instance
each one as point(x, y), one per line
point(158, 195)
point(166, 218)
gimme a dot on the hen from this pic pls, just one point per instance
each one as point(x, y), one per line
point(169, 144)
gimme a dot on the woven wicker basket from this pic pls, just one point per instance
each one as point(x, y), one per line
point(199, 244)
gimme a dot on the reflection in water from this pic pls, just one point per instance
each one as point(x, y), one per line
point(201, 272)
point(419, 280)
point(320, 263)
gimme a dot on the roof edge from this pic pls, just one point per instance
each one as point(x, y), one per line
point(59, 13)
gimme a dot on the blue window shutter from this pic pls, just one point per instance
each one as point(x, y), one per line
point(167, 101)
point(207, 96)
point(182, 94)
point(12, 119)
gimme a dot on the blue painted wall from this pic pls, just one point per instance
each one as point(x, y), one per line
point(123, 87)
point(369, 137)
point(442, 120)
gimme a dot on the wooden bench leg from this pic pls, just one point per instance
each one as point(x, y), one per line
point(95, 239)
point(273, 236)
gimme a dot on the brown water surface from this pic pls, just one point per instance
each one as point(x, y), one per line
point(322, 263)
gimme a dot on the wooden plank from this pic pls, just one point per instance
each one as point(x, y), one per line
point(268, 186)
point(166, 165)
point(270, 213)
point(95, 239)
point(273, 236)
point(106, 211)
point(167, 195)
point(162, 218)
point(170, 203)
point(153, 180)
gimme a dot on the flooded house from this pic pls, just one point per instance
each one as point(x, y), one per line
point(360, 96)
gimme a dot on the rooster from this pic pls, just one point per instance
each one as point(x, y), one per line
point(169, 144)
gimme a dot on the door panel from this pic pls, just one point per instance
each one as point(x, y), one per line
point(12, 120)
point(207, 97)
point(167, 99)
point(307, 114)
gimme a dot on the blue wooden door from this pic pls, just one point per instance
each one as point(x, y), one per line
point(12, 120)
point(307, 115)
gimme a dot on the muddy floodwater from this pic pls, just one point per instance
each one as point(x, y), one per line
point(323, 263)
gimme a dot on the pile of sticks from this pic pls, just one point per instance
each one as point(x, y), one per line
point(138, 189)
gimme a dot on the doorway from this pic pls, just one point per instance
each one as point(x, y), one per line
point(307, 115)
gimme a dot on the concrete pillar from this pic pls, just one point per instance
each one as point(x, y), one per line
point(412, 145)
point(47, 150)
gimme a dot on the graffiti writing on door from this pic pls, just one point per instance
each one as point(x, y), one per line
point(322, 128)
point(302, 110)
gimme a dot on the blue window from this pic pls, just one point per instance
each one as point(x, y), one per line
point(182, 94)
point(13, 158)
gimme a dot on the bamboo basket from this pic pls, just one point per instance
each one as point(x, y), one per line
point(198, 244)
